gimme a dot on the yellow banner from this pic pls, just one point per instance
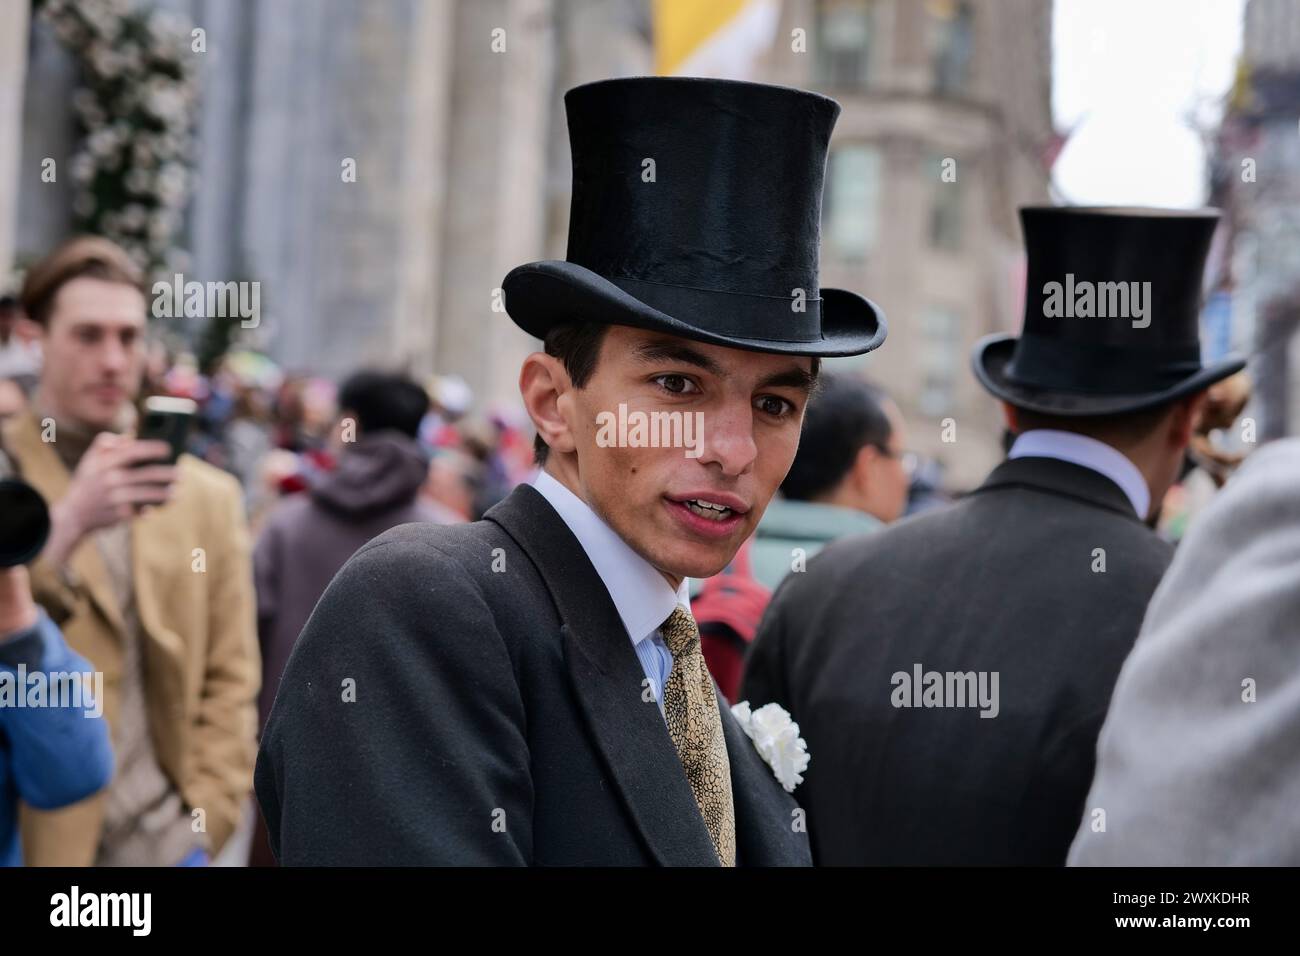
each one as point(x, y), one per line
point(681, 27)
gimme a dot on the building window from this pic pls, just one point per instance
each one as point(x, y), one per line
point(941, 359)
point(945, 206)
point(852, 199)
point(952, 39)
point(843, 43)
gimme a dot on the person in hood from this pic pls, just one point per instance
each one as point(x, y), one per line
point(309, 536)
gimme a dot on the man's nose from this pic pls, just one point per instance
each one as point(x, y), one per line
point(116, 355)
point(729, 439)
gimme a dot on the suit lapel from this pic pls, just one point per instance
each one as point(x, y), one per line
point(607, 679)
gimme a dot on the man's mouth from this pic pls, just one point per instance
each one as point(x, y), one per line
point(708, 509)
point(711, 515)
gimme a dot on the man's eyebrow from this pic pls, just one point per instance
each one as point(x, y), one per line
point(91, 327)
point(672, 352)
point(799, 378)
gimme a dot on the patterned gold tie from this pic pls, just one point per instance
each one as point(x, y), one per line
point(691, 709)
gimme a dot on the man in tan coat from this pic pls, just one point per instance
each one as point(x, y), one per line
point(150, 564)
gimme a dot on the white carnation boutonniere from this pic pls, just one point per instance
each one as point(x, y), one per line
point(776, 738)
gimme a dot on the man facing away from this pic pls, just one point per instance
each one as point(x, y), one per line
point(310, 535)
point(951, 673)
point(529, 689)
point(147, 567)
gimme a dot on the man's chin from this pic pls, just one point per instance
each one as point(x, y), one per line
point(98, 417)
point(701, 565)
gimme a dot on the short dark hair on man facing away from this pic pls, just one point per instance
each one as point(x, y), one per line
point(384, 401)
point(1121, 430)
point(844, 415)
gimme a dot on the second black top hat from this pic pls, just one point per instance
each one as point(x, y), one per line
point(1112, 306)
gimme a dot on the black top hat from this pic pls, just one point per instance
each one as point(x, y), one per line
point(697, 211)
point(1112, 303)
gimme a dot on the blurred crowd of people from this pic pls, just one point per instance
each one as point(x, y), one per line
point(276, 431)
point(286, 476)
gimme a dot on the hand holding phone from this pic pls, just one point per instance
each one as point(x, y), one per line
point(116, 477)
point(169, 420)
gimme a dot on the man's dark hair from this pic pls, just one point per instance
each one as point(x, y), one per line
point(577, 345)
point(91, 257)
point(1121, 430)
point(844, 415)
point(383, 401)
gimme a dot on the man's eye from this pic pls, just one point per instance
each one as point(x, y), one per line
point(774, 406)
point(677, 384)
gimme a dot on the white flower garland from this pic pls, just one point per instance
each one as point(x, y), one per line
point(136, 102)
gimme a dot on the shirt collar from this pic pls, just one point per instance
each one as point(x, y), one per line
point(1089, 453)
point(641, 595)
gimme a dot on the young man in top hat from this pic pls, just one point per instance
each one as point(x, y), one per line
point(529, 689)
point(951, 673)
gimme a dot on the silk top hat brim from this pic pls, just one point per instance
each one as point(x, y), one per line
point(696, 211)
point(542, 295)
point(993, 353)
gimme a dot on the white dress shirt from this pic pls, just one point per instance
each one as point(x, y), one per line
point(1090, 453)
point(641, 595)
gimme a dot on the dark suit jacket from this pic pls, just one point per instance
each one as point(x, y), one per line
point(1001, 581)
point(498, 717)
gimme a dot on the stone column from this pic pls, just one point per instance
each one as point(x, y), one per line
point(347, 266)
point(13, 69)
point(495, 212)
point(425, 185)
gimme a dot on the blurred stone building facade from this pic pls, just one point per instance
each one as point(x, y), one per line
point(398, 267)
point(922, 83)
point(452, 111)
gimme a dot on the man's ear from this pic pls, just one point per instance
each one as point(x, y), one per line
point(1186, 416)
point(1009, 417)
point(26, 330)
point(543, 381)
point(861, 471)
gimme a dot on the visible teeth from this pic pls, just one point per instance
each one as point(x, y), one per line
point(709, 504)
point(707, 509)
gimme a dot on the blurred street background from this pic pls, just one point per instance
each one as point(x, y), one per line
point(378, 167)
